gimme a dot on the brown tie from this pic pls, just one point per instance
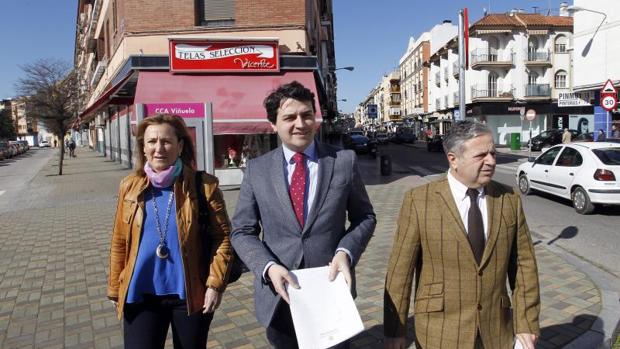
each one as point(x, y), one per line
point(475, 226)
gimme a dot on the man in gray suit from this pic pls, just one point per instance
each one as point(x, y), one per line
point(299, 195)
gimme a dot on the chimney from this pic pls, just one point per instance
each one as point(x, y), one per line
point(564, 9)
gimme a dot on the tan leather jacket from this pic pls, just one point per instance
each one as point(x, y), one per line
point(201, 270)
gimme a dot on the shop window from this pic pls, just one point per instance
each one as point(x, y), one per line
point(233, 151)
point(216, 13)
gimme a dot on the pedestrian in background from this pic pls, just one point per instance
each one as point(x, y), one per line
point(566, 136)
point(615, 131)
point(601, 137)
point(292, 211)
point(463, 254)
point(165, 268)
point(72, 148)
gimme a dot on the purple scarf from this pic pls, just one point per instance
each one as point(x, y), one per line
point(165, 178)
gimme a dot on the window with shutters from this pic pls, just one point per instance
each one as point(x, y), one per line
point(216, 13)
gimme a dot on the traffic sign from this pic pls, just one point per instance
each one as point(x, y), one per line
point(530, 114)
point(608, 88)
point(609, 102)
point(609, 96)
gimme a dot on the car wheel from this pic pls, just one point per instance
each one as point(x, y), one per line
point(524, 185)
point(581, 201)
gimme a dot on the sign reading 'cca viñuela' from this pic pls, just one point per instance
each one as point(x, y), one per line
point(224, 56)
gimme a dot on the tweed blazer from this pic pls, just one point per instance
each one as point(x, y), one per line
point(455, 298)
point(264, 227)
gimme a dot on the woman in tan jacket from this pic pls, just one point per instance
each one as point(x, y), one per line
point(164, 267)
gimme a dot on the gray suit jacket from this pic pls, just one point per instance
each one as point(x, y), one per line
point(264, 205)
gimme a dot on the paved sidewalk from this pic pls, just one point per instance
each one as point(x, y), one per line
point(54, 259)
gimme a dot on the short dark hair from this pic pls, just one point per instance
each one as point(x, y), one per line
point(461, 132)
point(293, 90)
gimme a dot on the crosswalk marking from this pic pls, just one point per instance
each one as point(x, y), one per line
point(427, 171)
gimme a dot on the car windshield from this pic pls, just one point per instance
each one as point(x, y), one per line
point(545, 133)
point(609, 156)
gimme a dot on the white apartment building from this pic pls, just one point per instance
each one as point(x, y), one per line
point(596, 48)
point(517, 61)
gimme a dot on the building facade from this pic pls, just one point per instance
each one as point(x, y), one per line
point(413, 75)
point(212, 61)
point(517, 61)
point(26, 125)
point(390, 99)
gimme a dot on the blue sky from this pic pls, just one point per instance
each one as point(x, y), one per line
point(370, 35)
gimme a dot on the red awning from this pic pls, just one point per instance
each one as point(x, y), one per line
point(105, 97)
point(237, 99)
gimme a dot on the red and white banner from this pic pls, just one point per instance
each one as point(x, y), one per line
point(224, 56)
point(466, 36)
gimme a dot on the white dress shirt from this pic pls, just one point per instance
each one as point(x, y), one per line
point(312, 165)
point(462, 201)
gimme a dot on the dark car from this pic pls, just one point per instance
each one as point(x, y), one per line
point(435, 143)
point(360, 144)
point(404, 137)
point(550, 137)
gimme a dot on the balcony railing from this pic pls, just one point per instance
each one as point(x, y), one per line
point(538, 56)
point(455, 69)
point(537, 90)
point(445, 74)
point(437, 79)
point(492, 91)
point(456, 99)
point(492, 57)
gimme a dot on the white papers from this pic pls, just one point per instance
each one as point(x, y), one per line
point(323, 312)
point(518, 344)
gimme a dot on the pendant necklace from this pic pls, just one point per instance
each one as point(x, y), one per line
point(162, 249)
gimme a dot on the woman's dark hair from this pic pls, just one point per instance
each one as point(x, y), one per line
point(293, 90)
point(180, 129)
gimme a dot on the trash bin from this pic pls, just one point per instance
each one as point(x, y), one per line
point(386, 165)
point(515, 141)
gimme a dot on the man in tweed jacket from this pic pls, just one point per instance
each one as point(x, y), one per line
point(461, 294)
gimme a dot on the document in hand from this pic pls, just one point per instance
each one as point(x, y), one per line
point(323, 312)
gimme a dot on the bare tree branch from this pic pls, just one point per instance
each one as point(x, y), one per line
point(50, 88)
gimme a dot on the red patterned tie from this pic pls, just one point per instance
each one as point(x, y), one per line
point(297, 189)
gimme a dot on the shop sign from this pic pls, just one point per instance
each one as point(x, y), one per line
point(223, 56)
point(185, 110)
point(574, 99)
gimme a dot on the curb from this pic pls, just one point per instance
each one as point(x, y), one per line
point(605, 329)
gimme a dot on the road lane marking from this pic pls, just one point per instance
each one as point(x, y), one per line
point(2, 192)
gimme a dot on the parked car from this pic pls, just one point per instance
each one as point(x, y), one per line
point(44, 144)
point(404, 137)
point(550, 137)
point(356, 133)
point(584, 172)
point(4, 150)
point(19, 147)
point(435, 143)
point(360, 144)
point(382, 137)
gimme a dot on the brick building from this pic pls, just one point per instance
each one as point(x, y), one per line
point(123, 58)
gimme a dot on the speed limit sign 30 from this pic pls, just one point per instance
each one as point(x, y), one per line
point(609, 96)
point(609, 102)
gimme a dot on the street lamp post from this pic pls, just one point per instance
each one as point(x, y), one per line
point(349, 68)
point(586, 50)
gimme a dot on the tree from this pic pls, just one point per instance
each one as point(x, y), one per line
point(50, 88)
point(7, 129)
